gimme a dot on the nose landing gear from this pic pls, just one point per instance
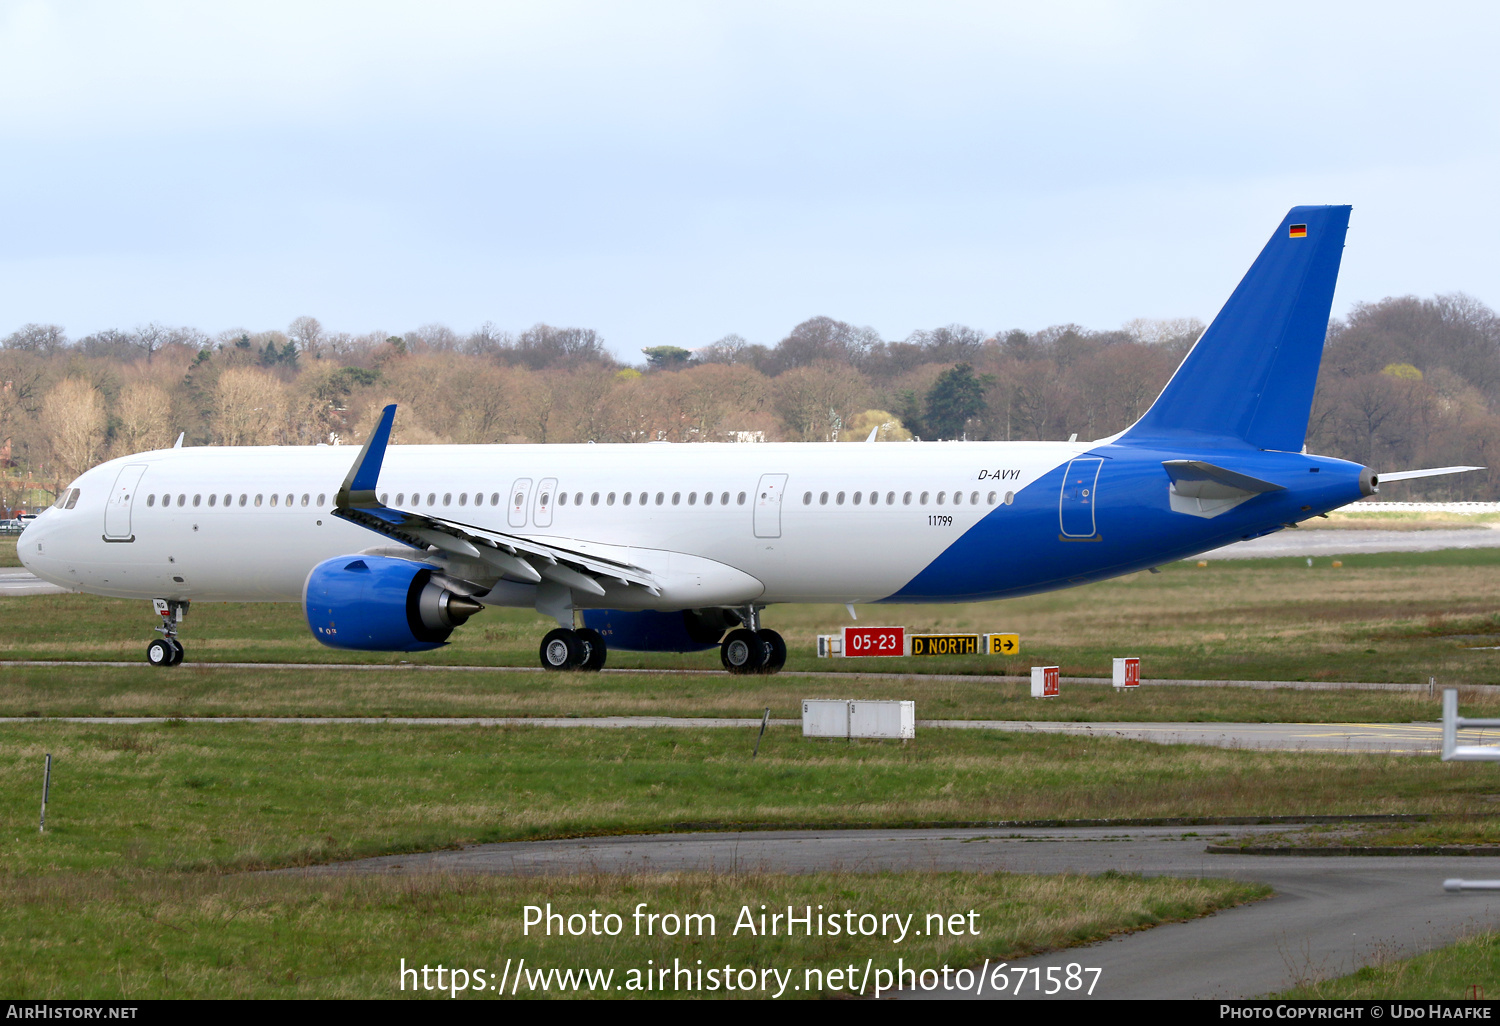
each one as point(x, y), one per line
point(167, 650)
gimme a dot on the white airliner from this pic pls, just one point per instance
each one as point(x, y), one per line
point(677, 547)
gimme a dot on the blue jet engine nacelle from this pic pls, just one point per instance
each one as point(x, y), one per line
point(381, 604)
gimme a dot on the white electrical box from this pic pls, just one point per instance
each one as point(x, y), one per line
point(896, 720)
point(825, 717)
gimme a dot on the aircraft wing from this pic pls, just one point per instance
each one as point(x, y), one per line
point(509, 555)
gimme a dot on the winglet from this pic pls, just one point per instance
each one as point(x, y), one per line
point(358, 490)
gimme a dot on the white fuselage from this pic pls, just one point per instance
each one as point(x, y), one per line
point(248, 524)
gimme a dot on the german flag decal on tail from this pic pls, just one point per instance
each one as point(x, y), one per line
point(1297, 231)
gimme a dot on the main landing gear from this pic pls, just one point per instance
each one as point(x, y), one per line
point(167, 650)
point(568, 649)
point(751, 648)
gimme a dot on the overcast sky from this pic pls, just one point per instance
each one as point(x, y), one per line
point(670, 173)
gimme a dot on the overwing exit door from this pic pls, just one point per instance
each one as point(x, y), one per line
point(768, 505)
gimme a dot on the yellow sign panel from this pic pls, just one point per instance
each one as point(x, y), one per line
point(944, 644)
point(1002, 644)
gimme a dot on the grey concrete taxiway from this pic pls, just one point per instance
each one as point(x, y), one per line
point(1316, 543)
point(1422, 739)
point(1329, 916)
point(15, 582)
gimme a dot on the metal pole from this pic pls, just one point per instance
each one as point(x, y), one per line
point(46, 786)
point(763, 721)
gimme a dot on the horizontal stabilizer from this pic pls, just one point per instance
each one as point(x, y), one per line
point(1203, 490)
point(1411, 475)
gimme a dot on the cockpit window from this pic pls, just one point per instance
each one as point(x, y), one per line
point(72, 499)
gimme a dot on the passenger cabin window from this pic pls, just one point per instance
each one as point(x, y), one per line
point(992, 498)
point(823, 499)
point(973, 498)
point(676, 498)
point(197, 500)
point(593, 499)
point(447, 498)
point(320, 498)
point(432, 498)
point(723, 498)
point(940, 497)
point(230, 498)
point(856, 497)
point(401, 498)
point(627, 497)
point(213, 500)
point(1010, 497)
point(708, 498)
point(610, 499)
point(692, 498)
point(562, 498)
point(923, 500)
point(890, 498)
point(151, 499)
point(661, 497)
point(839, 498)
point(807, 498)
point(906, 499)
point(274, 499)
point(463, 499)
point(258, 499)
point(643, 498)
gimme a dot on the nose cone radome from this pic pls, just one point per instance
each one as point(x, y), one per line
point(33, 548)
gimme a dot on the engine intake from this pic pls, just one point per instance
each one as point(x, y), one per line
point(381, 604)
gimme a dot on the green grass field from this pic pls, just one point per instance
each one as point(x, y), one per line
point(1468, 969)
point(235, 937)
point(231, 797)
point(143, 884)
point(1398, 617)
point(217, 690)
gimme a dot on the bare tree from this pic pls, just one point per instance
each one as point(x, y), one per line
point(45, 339)
point(307, 333)
point(73, 412)
point(249, 407)
point(144, 412)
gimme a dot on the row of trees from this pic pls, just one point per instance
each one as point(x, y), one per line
point(1405, 382)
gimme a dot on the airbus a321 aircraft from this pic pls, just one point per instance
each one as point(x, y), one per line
point(664, 547)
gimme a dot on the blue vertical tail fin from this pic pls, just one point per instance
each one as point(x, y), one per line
point(1249, 379)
